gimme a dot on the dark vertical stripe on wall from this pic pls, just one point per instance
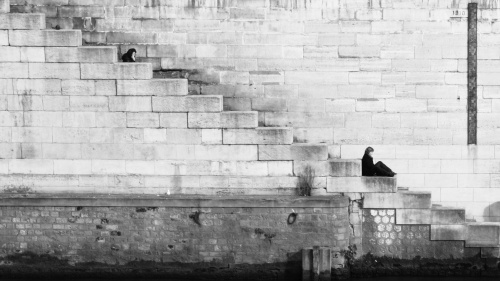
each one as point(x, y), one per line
point(472, 75)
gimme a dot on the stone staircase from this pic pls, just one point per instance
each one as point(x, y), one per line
point(74, 119)
point(415, 208)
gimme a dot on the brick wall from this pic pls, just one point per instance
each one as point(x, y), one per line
point(391, 74)
point(117, 231)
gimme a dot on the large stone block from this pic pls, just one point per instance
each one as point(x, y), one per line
point(268, 135)
point(485, 234)
point(81, 54)
point(413, 216)
point(10, 54)
point(226, 152)
point(143, 120)
point(361, 184)
point(22, 21)
point(56, 38)
point(88, 103)
point(399, 200)
point(4, 6)
point(345, 168)
point(31, 166)
point(293, 152)
point(100, 71)
point(54, 70)
point(203, 103)
point(153, 87)
point(130, 104)
point(72, 167)
point(231, 119)
point(14, 70)
point(447, 215)
point(441, 216)
point(449, 232)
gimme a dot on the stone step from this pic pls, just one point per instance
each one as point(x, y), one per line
point(152, 87)
point(483, 234)
point(490, 252)
point(265, 135)
point(296, 151)
point(199, 103)
point(101, 54)
point(345, 168)
point(448, 232)
point(45, 38)
point(398, 200)
point(237, 168)
point(76, 182)
point(22, 21)
point(362, 184)
point(173, 190)
point(230, 119)
point(4, 6)
point(126, 71)
point(435, 215)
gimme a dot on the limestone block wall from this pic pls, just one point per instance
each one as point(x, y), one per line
point(390, 74)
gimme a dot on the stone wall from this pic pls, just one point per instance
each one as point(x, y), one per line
point(391, 74)
point(120, 230)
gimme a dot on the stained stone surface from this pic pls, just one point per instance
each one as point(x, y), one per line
point(382, 236)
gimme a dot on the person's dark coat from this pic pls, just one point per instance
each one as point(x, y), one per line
point(127, 57)
point(367, 166)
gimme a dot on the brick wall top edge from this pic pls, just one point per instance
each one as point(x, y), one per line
point(96, 200)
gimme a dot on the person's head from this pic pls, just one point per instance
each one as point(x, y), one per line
point(369, 151)
point(131, 53)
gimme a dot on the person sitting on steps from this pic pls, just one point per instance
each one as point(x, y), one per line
point(379, 169)
point(129, 56)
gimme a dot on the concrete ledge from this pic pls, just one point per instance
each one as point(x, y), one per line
point(96, 200)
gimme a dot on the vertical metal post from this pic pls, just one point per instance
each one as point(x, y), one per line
point(472, 74)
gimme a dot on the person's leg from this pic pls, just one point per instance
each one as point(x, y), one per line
point(380, 171)
point(383, 166)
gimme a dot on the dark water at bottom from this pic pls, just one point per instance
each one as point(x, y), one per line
point(427, 278)
point(390, 278)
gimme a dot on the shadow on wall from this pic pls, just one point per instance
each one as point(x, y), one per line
point(492, 212)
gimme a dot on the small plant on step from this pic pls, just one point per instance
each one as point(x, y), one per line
point(306, 181)
point(349, 255)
